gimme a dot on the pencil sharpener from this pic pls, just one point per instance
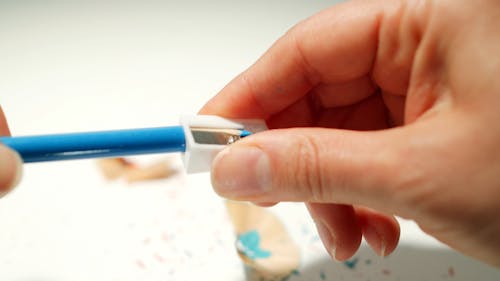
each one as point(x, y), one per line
point(207, 135)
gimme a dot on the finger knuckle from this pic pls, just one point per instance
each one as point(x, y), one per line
point(307, 173)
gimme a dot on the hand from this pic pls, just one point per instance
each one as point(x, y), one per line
point(10, 162)
point(398, 108)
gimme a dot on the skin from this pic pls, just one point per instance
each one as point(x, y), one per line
point(378, 108)
point(10, 162)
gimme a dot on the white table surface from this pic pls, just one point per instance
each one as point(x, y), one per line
point(70, 66)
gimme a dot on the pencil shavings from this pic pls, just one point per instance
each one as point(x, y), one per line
point(262, 242)
point(114, 168)
point(154, 171)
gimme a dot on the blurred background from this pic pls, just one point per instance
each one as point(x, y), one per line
point(69, 66)
point(101, 64)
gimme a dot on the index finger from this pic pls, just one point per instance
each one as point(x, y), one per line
point(334, 46)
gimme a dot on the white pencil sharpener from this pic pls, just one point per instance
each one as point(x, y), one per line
point(207, 135)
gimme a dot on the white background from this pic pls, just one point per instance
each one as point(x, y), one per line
point(79, 66)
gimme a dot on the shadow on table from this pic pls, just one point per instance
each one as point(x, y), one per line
point(407, 263)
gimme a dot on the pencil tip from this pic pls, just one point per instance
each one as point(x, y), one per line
point(245, 133)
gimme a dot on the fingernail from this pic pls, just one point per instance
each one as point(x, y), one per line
point(328, 239)
point(382, 249)
point(241, 173)
point(375, 240)
point(10, 170)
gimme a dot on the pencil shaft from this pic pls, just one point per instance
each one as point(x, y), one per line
point(97, 144)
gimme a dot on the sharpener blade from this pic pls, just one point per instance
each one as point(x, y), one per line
point(215, 136)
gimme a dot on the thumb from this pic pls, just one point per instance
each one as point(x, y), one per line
point(313, 165)
point(10, 170)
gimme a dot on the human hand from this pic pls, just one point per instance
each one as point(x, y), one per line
point(10, 162)
point(399, 107)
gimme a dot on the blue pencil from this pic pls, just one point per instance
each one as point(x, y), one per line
point(97, 144)
point(200, 138)
point(41, 148)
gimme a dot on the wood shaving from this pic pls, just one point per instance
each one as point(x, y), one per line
point(284, 255)
point(154, 171)
point(115, 168)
